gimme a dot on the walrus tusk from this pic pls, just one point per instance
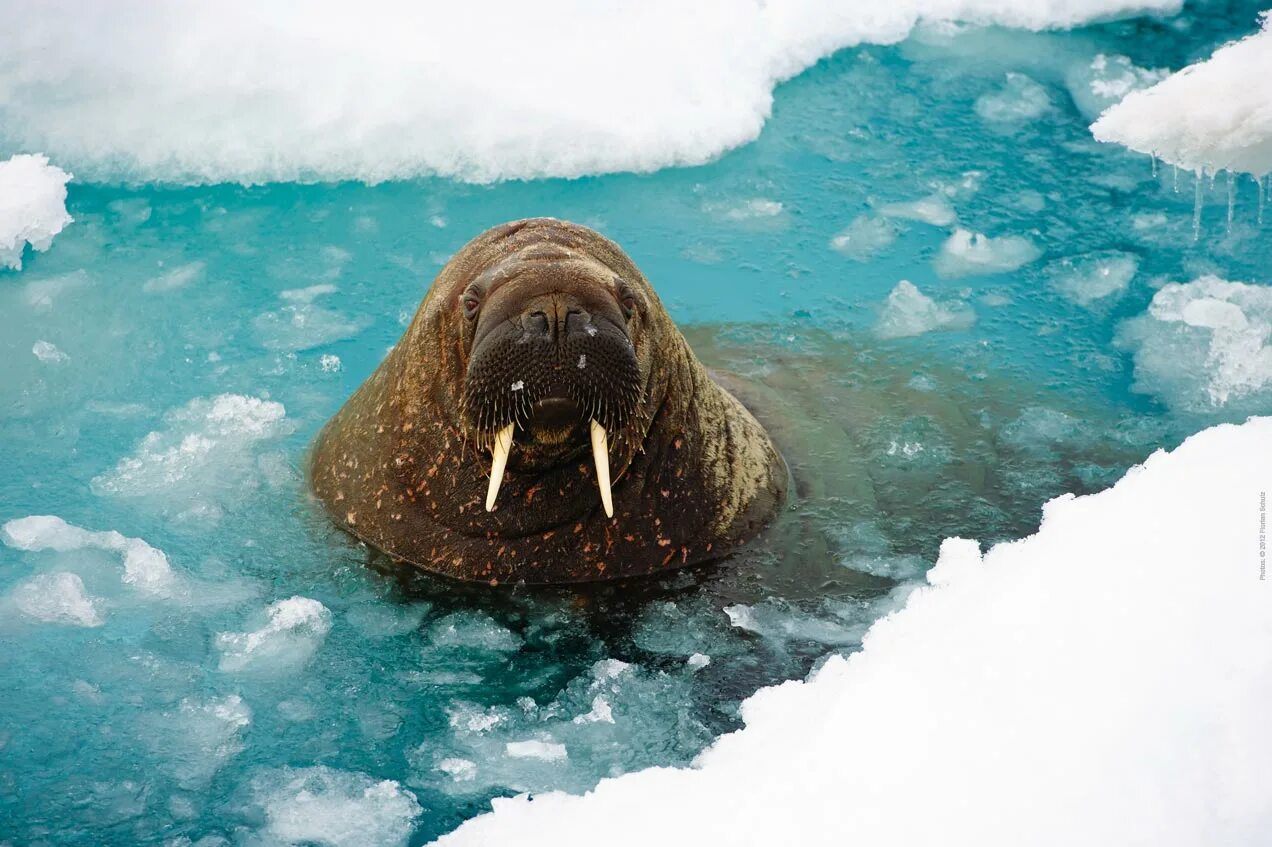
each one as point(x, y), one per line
point(498, 461)
point(600, 454)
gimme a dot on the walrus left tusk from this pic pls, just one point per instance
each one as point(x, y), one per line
point(498, 461)
point(600, 455)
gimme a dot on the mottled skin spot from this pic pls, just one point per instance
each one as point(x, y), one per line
point(402, 467)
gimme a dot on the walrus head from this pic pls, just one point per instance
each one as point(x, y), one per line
point(551, 337)
point(542, 419)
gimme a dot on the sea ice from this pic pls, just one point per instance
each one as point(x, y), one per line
point(908, 311)
point(866, 237)
point(145, 568)
point(205, 448)
point(1204, 345)
point(1105, 80)
point(199, 737)
point(1105, 728)
point(546, 751)
point(48, 352)
point(143, 94)
point(333, 808)
point(1210, 116)
point(57, 598)
point(967, 253)
point(301, 324)
point(32, 205)
point(174, 278)
point(1019, 101)
point(1093, 277)
point(291, 633)
point(935, 209)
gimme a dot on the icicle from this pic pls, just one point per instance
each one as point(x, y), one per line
point(1153, 158)
point(1232, 198)
point(1175, 170)
point(1199, 178)
point(1258, 180)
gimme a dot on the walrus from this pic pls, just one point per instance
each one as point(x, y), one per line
point(542, 420)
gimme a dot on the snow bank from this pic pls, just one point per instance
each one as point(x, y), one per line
point(387, 89)
point(908, 311)
point(1105, 681)
point(1210, 116)
point(32, 204)
point(1204, 345)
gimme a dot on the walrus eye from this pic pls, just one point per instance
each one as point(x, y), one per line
point(627, 300)
point(471, 304)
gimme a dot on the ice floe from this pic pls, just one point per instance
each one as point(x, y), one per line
point(1105, 80)
point(290, 633)
point(908, 311)
point(967, 253)
point(32, 204)
point(1210, 116)
point(198, 737)
point(866, 237)
point(206, 449)
point(332, 808)
point(58, 597)
point(1083, 713)
point(1204, 345)
point(384, 89)
point(1019, 101)
point(145, 568)
point(1093, 277)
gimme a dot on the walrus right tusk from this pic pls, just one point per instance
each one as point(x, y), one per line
point(600, 454)
point(498, 461)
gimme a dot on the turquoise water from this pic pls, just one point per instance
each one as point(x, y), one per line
point(153, 727)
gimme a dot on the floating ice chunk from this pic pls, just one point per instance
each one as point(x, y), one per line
point(757, 208)
point(329, 363)
point(57, 598)
point(698, 661)
point(1019, 100)
point(333, 808)
point(303, 325)
point(200, 737)
point(293, 631)
point(1093, 277)
point(967, 253)
point(48, 353)
point(473, 631)
point(934, 209)
point(1105, 80)
point(454, 96)
point(983, 686)
point(1210, 116)
point(866, 237)
point(460, 770)
point(908, 311)
point(207, 444)
point(544, 751)
point(1204, 345)
point(41, 294)
point(178, 277)
point(32, 205)
point(772, 620)
point(145, 568)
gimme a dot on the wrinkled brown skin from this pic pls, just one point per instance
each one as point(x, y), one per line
point(400, 467)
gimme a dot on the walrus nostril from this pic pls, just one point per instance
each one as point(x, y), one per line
point(576, 320)
point(536, 323)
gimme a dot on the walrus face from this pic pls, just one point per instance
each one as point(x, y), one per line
point(552, 364)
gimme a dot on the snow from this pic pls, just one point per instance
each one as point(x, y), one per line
point(1204, 345)
point(1048, 677)
point(1093, 277)
point(908, 311)
point(58, 597)
point(291, 633)
point(145, 568)
point(32, 204)
point(1210, 116)
point(388, 89)
point(333, 808)
point(967, 253)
